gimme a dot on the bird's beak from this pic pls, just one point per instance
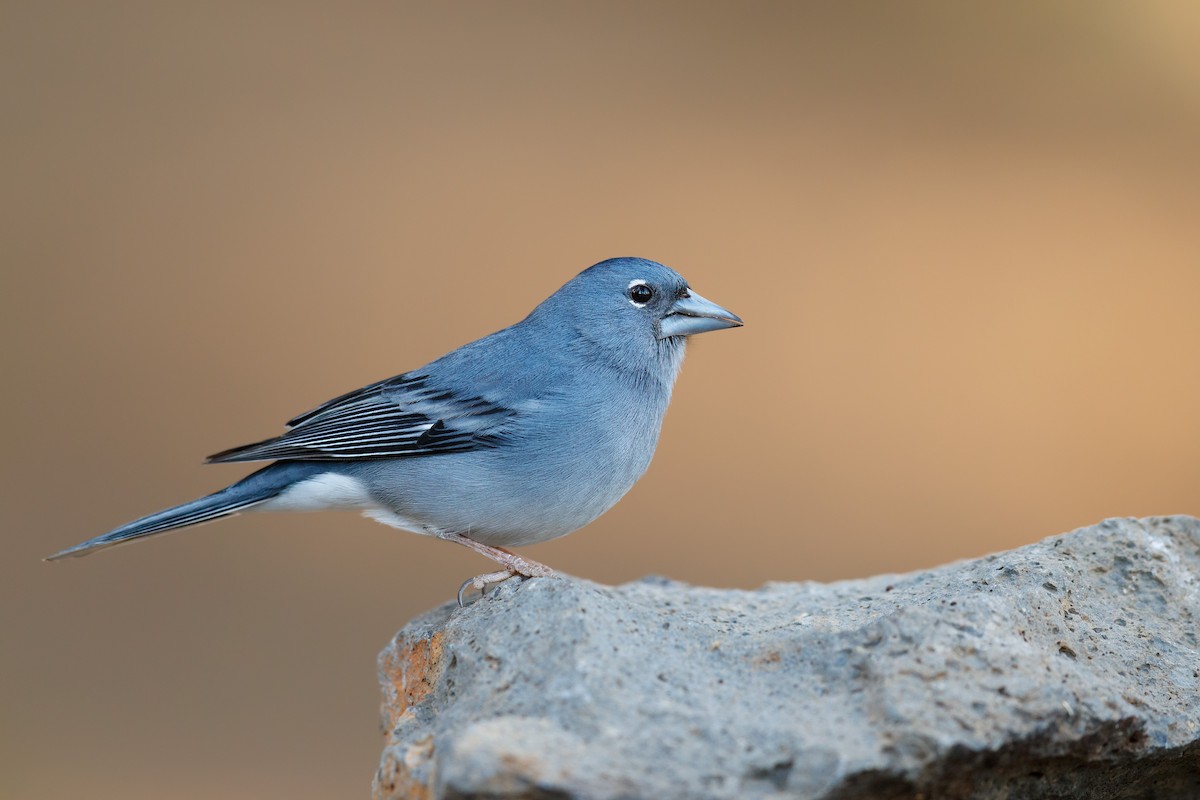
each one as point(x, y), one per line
point(693, 314)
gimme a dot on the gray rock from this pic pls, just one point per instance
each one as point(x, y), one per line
point(1064, 669)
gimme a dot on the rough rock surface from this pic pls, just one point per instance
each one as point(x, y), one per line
point(1064, 669)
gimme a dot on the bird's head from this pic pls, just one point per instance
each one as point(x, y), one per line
point(626, 302)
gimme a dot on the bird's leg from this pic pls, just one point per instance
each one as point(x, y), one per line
point(513, 564)
point(510, 561)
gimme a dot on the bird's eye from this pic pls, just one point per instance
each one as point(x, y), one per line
point(640, 293)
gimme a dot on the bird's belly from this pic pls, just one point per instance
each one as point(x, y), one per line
point(497, 499)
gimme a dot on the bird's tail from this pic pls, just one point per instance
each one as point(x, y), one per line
point(246, 493)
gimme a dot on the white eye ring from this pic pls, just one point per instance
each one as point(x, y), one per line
point(629, 289)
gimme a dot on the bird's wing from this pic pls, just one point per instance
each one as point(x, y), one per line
point(408, 415)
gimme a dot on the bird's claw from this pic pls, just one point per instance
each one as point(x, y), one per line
point(481, 582)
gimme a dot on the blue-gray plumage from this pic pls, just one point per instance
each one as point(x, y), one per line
point(519, 437)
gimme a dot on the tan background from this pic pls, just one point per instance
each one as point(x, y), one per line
point(965, 241)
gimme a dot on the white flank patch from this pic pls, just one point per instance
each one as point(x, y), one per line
point(327, 490)
point(331, 491)
point(394, 520)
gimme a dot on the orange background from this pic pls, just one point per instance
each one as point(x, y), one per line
point(964, 238)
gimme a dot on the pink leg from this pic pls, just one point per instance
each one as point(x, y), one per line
point(513, 564)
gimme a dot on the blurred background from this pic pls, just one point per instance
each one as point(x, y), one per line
point(965, 239)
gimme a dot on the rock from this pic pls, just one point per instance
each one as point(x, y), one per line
point(1064, 669)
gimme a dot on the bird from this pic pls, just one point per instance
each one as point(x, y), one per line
point(520, 437)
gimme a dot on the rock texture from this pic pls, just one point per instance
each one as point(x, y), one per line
point(1065, 669)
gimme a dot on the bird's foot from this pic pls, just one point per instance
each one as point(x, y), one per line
point(520, 568)
point(513, 564)
point(480, 582)
point(526, 567)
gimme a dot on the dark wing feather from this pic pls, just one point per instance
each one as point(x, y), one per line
point(401, 416)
